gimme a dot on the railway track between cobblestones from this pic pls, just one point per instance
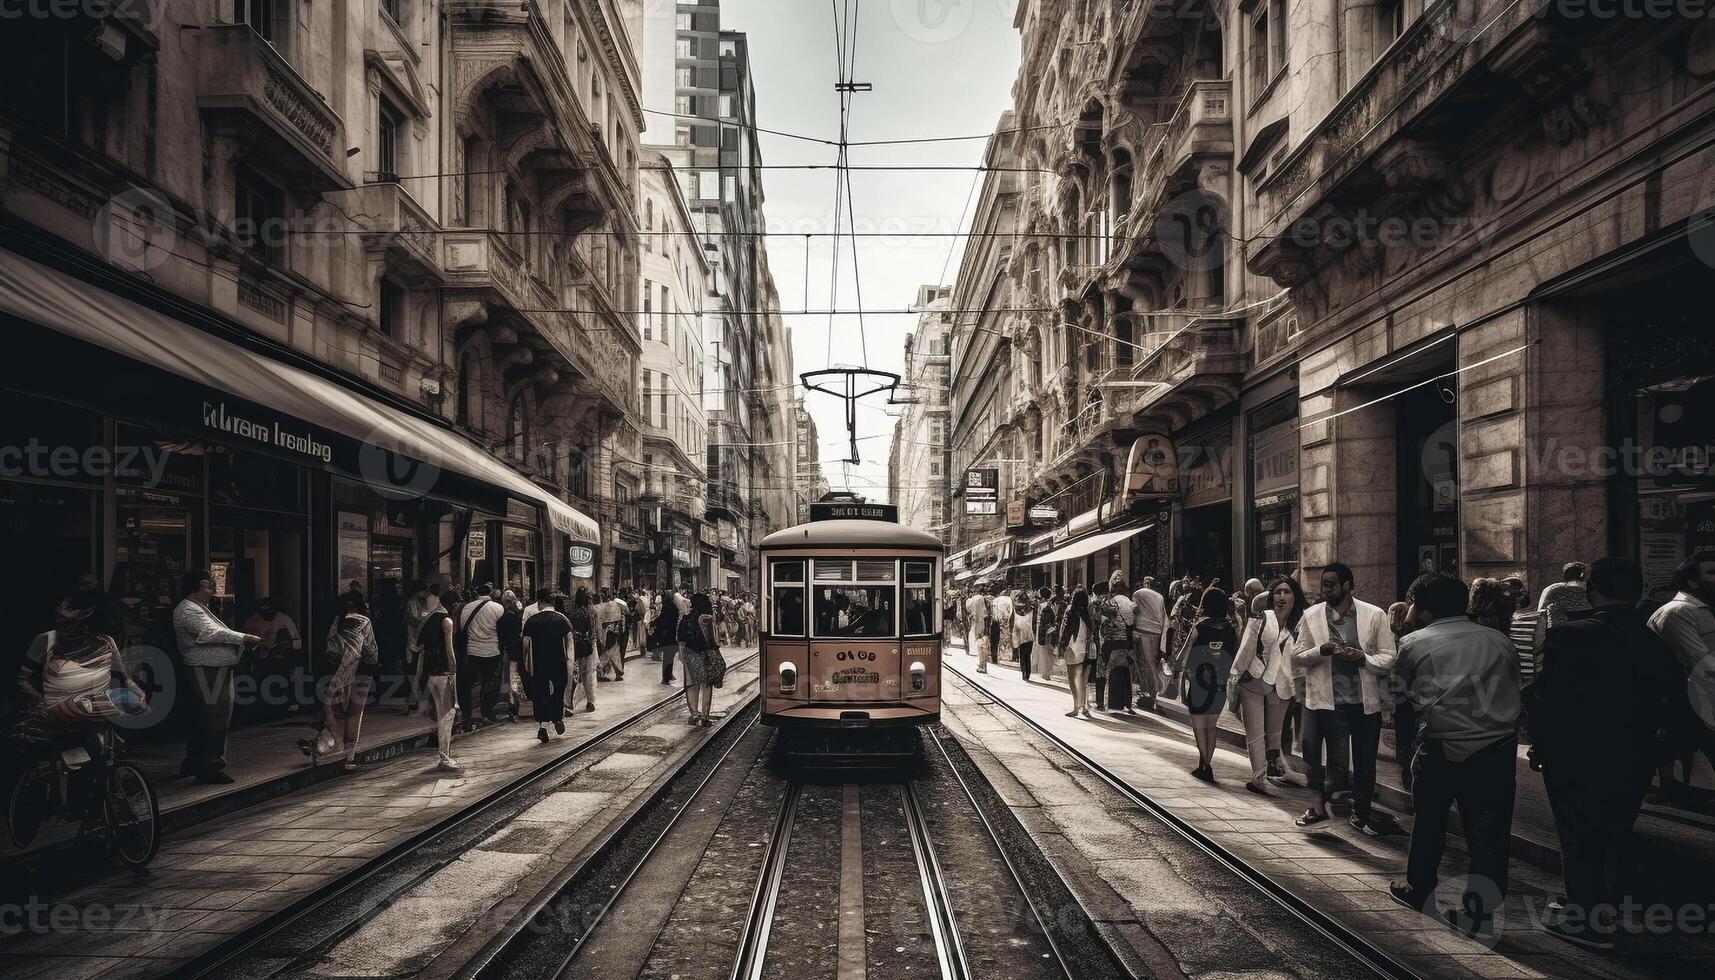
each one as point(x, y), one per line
point(293, 940)
point(1365, 954)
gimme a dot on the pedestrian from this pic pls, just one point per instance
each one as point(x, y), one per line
point(210, 652)
point(1261, 681)
point(991, 649)
point(1687, 624)
point(1079, 635)
point(273, 658)
point(1114, 618)
point(1344, 649)
point(438, 665)
point(1596, 765)
point(1149, 616)
point(976, 620)
point(610, 666)
point(547, 653)
point(354, 665)
point(510, 631)
point(477, 647)
point(1462, 678)
point(665, 641)
point(1180, 620)
point(1208, 664)
point(585, 642)
point(1050, 616)
point(418, 608)
point(704, 667)
point(1024, 631)
point(1000, 618)
point(1490, 606)
point(1565, 597)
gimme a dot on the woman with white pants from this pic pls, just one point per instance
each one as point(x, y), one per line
point(1261, 679)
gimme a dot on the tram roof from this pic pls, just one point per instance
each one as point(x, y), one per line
point(851, 534)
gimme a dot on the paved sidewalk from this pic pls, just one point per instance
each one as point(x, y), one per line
point(1344, 872)
point(227, 874)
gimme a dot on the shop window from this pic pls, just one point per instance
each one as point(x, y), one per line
point(787, 579)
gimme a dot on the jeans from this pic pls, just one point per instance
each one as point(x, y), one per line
point(211, 717)
point(1263, 711)
point(1339, 730)
point(1483, 787)
point(442, 693)
point(479, 685)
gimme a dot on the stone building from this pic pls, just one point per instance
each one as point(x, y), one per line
point(675, 283)
point(810, 484)
point(1408, 288)
point(918, 461)
point(354, 277)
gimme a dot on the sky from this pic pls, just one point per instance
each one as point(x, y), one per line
point(939, 68)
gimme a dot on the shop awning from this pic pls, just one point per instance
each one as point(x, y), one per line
point(272, 401)
point(1086, 546)
point(979, 574)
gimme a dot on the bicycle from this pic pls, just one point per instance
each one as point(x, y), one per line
point(112, 800)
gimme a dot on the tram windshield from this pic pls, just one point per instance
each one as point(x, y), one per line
point(855, 598)
point(919, 598)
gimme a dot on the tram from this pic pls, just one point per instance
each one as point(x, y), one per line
point(851, 622)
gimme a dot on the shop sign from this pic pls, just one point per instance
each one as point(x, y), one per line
point(681, 557)
point(981, 508)
point(217, 417)
point(1151, 469)
point(982, 483)
point(582, 559)
point(847, 511)
point(476, 544)
point(519, 542)
point(1046, 515)
point(1015, 513)
point(1274, 459)
point(1208, 473)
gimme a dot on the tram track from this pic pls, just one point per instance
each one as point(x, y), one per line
point(1369, 957)
point(276, 946)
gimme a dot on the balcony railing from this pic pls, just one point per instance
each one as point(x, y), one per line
point(243, 81)
point(400, 225)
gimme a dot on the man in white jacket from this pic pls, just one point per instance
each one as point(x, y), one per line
point(1345, 649)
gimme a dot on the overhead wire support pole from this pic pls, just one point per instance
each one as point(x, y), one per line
point(853, 378)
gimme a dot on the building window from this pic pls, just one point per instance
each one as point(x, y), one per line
point(1259, 53)
point(267, 18)
point(395, 9)
point(682, 48)
point(686, 77)
point(1277, 36)
point(518, 429)
point(392, 308)
point(1390, 23)
point(647, 392)
point(469, 411)
point(389, 127)
point(260, 217)
point(648, 311)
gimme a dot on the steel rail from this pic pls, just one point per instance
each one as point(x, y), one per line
point(284, 922)
point(1000, 847)
point(1343, 937)
point(943, 921)
point(753, 941)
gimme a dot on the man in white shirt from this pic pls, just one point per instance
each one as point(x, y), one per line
point(1149, 621)
point(479, 663)
point(210, 651)
point(977, 615)
point(1000, 611)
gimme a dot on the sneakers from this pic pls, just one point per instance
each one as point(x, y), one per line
point(559, 727)
point(1311, 818)
point(1404, 896)
point(589, 707)
point(449, 766)
point(542, 734)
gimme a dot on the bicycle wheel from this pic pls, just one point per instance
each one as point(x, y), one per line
point(28, 807)
point(133, 815)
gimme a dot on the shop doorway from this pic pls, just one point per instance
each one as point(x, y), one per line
point(1426, 420)
point(55, 528)
point(1206, 542)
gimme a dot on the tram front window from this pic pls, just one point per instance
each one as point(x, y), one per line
point(919, 603)
point(855, 611)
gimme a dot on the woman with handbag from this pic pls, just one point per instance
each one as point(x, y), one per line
point(1078, 632)
point(1260, 685)
point(704, 667)
point(1208, 664)
point(1049, 615)
point(356, 661)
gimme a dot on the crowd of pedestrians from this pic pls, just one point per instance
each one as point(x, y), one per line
point(1466, 670)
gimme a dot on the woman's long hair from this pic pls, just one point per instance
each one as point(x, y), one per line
point(701, 606)
point(1078, 612)
point(1299, 603)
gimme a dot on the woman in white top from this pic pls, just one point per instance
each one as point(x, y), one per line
point(1080, 635)
point(1024, 630)
point(1261, 679)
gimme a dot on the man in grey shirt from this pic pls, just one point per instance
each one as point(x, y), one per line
point(1462, 681)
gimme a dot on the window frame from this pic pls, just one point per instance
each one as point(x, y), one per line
point(854, 582)
point(932, 585)
point(800, 585)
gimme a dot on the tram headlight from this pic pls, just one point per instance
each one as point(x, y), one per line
point(919, 677)
point(788, 678)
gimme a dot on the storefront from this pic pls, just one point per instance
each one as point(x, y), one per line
point(1204, 533)
point(285, 482)
point(1271, 435)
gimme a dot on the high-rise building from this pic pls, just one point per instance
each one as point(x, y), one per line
point(918, 462)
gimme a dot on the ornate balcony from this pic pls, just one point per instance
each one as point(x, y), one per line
point(1193, 369)
point(246, 90)
point(397, 224)
point(485, 261)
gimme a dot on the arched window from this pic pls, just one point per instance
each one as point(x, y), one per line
point(470, 407)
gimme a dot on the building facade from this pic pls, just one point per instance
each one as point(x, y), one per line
point(347, 288)
point(1378, 306)
point(811, 485)
point(919, 460)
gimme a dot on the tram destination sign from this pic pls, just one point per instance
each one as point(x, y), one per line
point(847, 511)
